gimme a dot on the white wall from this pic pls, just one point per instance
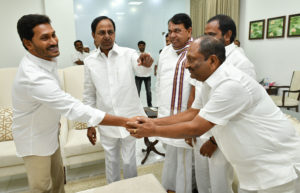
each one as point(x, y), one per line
point(273, 58)
point(62, 17)
point(11, 49)
point(59, 11)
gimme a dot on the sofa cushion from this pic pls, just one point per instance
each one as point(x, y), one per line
point(80, 125)
point(8, 154)
point(5, 124)
point(287, 102)
point(78, 143)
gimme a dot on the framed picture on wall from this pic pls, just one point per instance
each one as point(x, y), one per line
point(256, 29)
point(275, 27)
point(294, 26)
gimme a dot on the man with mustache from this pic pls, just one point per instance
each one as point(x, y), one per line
point(173, 90)
point(220, 173)
point(38, 103)
point(110, 85)
point(80, 54)
point(254, 135)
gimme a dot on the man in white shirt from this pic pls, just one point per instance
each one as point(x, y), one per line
point(173, 90)
point(220, 176)
point(251, 131)
point(79, 55)
point(38, 102)
point(143, 74)
point(109, 85)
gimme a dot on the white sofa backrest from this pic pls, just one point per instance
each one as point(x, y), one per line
point(73, 81)
point(7, 76)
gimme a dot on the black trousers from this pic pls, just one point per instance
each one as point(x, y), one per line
point(147, 81)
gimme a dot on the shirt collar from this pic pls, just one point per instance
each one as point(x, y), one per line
point(45, 64)
point(216, 77)
point(115, 49)
point(230, 48)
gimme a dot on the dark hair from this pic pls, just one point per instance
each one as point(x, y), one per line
point(141, 42)
point(77, 41)
point(167, 35)
point(225, 24)
point(212, 46)
point(98, 19)
point(182, 18)
point(26, 24)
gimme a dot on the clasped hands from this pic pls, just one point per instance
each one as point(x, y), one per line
point(141, 127)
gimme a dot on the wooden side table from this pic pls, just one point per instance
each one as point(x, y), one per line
point(150, 146)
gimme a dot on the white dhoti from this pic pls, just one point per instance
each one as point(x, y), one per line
point(177, 170)
point(114, 147)
point(213, 175)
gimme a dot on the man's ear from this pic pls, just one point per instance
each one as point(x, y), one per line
point(215, 62)
point(227, 37)
point(27, 44)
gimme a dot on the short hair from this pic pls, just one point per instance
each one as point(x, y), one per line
point(98, 19)
point(181, 18)
point(167, 35)
point(225, 24)
point(26, 24)
point(77, 41)
point(211, 46)
point(141, 42)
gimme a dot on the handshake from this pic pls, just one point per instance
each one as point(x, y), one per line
point(138, 127)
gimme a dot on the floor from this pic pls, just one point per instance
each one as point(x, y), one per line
point(18, 183)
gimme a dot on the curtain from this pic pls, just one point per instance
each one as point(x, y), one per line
point(203, 10)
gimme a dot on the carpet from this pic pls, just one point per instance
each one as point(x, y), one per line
point(96, 181)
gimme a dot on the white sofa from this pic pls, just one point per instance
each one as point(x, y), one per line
point(75, 146)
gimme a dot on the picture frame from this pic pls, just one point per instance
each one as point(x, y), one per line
point(276, 27)
point(256, 29)
point(294, 26)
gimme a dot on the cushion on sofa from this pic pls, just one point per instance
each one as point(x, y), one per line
point(80, 125)
point(5, 124)
point(78, 143)
point(8, 154)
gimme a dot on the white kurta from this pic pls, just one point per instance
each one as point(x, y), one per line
point(251, 131)
point(109, 85)
point(177, 171)
point(164, 87)
point(79, 56)
point(38, 102)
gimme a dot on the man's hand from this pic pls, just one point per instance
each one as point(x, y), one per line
point(208, 148)
point(189, 141)
point(145, 60)
point(142, 127)
point(91, 134)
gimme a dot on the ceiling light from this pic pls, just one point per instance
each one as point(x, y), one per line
point(135, 2)
point(133, 9)
point(79, 7)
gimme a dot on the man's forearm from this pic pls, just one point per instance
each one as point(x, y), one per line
point(187, 115)
point(114, 120)
point(187, 129)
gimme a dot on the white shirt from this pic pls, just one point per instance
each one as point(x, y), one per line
point(109, 85)
point(38, 101)
point(236, 57)
point(79, 56)
point(142, 71)
point(164, 85)
point(254, 135)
